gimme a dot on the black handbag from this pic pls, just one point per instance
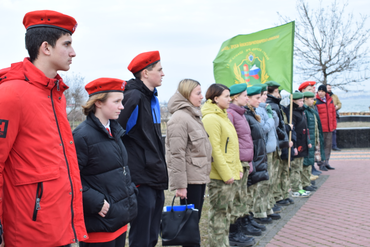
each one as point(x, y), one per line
point(180, 227)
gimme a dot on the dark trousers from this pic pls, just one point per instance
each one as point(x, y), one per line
point(195, 195)
point(334, 139)
point(144, 230)
point(118, 242)
point(328, 146)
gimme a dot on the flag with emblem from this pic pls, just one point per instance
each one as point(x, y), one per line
point(256, 58)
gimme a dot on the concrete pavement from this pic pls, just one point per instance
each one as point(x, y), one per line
point(337, 214)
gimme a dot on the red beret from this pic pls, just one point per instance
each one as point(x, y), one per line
point(143, 60)
point(306, 84)
point(105, 85)
point(49, 18)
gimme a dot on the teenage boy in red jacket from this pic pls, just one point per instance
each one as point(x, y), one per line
point(42, 193)
point(328, 117)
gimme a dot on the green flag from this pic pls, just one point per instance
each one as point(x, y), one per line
point(257, 58)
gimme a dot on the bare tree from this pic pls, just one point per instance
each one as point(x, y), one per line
point(330, 44)
point(75, 96)
point(165, 116)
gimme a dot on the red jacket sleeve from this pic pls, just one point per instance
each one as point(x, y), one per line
point(10, 111)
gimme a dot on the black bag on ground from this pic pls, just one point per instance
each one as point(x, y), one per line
point(180, 227)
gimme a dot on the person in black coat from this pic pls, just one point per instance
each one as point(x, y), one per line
point(109, 195)
point(143, 138)
point(281, 191)
point(258, 179)
point(301, 144)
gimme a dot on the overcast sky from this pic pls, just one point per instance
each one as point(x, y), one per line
point(188, 33)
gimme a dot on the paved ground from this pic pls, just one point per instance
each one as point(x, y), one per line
point(337, 214)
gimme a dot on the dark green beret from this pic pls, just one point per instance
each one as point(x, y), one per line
point(253, 90)
point(308, 94)
point(263, 87)
point(237, 88)
point(297, 95)
point(272, 84)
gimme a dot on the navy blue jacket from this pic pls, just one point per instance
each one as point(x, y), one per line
point(143, 139)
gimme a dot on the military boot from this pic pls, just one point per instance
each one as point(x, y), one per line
point(255, 224)
point(248, 228)
point(237, 238)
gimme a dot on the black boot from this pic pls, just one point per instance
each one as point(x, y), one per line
point(283, 203)
point(274, 216)
point(237, 238)
point(266, 220)
point(276, 209)
point(323, 168)
point(329, 167)
point(255, 224)
point(248, 228)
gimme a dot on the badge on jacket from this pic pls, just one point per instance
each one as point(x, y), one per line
point(3, 128)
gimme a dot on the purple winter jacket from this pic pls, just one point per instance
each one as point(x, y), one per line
point(236, 116)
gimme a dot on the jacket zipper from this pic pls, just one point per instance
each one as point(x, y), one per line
point(39, 191)
point(65, 156)
point(227, 142)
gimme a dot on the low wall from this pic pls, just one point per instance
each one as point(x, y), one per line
point(353, 118)
point(353, 137)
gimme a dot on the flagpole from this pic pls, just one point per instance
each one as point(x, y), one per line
point(290, 132)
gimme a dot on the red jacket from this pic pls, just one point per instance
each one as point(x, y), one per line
point(327, 113)
point(39, 174)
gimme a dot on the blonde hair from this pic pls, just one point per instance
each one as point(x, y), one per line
point(186, 86)
point(90, 104)
point(257, 117)
point(234, 96)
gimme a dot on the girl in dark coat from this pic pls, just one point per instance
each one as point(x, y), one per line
point(259, 177)
point(301, 145)
point(109, 196)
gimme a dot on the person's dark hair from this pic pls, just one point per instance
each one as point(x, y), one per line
point(322, 88)
point(36, 36)
point(271, 90)
point(150, 68)
point(215, 90)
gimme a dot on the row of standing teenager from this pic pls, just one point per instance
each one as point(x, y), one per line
point(249, 175)
point(227, 131)
point(119, 173)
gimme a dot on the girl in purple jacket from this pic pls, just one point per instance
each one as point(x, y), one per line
point(235, 113)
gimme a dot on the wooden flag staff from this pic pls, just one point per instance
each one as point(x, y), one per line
point(290, 132)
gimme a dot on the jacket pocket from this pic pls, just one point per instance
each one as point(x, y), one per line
point(227, 142)
point(39, 191)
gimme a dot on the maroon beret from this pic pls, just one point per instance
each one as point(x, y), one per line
point(105, 85)
point(49, 18)
point(143, 60)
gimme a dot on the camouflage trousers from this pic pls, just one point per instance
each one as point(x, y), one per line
point(296, 168)
point(261, 206)
point(251, 197)
point(273, 163)
point(306, 176)
point(221, 211)
point(281, 191)
point(241, 196)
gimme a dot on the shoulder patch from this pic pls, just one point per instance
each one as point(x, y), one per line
point(3, 128)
